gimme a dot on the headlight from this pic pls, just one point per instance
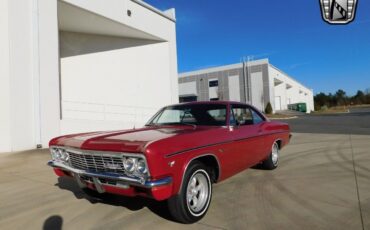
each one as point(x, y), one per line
point(59, 154)
point(55, 154)
point(129, 164)
point(141, 166)
point(64, 155)
point(135, 165)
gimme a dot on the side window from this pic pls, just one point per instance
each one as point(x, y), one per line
point(241, 116)
point(256, 117)
point(187, 117)
point(218, 114)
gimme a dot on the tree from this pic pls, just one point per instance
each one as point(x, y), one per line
point(359, 98)
point(268, 109)
point(321, 100)
point(341, 98)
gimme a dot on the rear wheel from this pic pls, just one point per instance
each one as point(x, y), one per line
point(272, 161)
point(192, 203)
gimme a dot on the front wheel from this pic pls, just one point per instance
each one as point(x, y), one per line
point(273, 160)
point(192, 203)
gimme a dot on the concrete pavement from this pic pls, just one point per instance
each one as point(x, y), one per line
point(322, 183)
point(355, 122)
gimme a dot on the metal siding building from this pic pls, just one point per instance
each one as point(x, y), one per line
point(256, 82)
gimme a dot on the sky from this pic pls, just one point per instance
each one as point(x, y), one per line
point(291, 33)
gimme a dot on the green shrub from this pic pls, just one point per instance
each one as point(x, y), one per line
point(268, 109)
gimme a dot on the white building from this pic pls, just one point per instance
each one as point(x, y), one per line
point(71, 66)
point(256, 82)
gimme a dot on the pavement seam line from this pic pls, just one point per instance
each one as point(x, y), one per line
point(356, 180)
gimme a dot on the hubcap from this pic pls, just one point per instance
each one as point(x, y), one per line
point(197, 192)
point(275, 154)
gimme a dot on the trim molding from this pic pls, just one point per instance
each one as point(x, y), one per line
point(218, 143)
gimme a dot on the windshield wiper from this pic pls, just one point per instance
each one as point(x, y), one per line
point(175, 123)
point(151, 125)
point(183, 123)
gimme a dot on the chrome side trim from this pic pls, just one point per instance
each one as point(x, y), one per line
point(194, 158)
point(140, 182)
point(218, 143)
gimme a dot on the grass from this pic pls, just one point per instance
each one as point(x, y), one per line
point(336, 109)
point(360, 106)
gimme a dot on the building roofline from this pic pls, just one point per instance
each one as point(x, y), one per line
point(224, 67)
point(155, 10)
point(288, 76)
point(239, 65)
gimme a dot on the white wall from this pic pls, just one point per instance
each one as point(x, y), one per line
point(162, 28)
point(257, 90)
point(29, 82)
point(234, 88)
point(188, 88)
point(296, 94)
point(21, 75)
point(136, 79)
point(49, 109)
point(117, 81)
point(5, 138)
point(281, 92)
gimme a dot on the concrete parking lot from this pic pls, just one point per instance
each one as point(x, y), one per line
point(323, 182)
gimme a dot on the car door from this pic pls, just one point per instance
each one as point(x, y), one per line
point(261, 124)
point(247, 135)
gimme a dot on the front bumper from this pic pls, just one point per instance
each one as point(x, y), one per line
point(159, 189)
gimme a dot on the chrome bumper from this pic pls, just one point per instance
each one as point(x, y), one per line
point(112, 176)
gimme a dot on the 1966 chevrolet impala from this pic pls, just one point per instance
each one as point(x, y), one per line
point(177, 156)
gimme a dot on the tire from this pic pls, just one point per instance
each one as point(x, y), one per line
point(192, 202)
point(272, 161)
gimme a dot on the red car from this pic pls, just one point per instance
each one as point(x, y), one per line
point(177, 156)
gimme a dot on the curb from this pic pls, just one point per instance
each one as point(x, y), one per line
point(282, 118)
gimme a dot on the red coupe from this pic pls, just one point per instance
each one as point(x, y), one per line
point(177, 156)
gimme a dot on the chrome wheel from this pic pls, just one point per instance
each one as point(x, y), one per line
point(275, 154)
point(198, 192)
point(192, 202)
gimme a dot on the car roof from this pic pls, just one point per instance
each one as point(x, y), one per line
point(212, 103)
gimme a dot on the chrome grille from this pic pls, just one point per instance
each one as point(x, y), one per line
point(96, 163)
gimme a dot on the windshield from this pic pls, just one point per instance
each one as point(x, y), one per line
point(196, 114)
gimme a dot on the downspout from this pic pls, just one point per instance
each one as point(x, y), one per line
point(245, 81)
point(249, 59)
point(36, 71)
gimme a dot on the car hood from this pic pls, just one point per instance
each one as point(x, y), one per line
point(134, 140)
